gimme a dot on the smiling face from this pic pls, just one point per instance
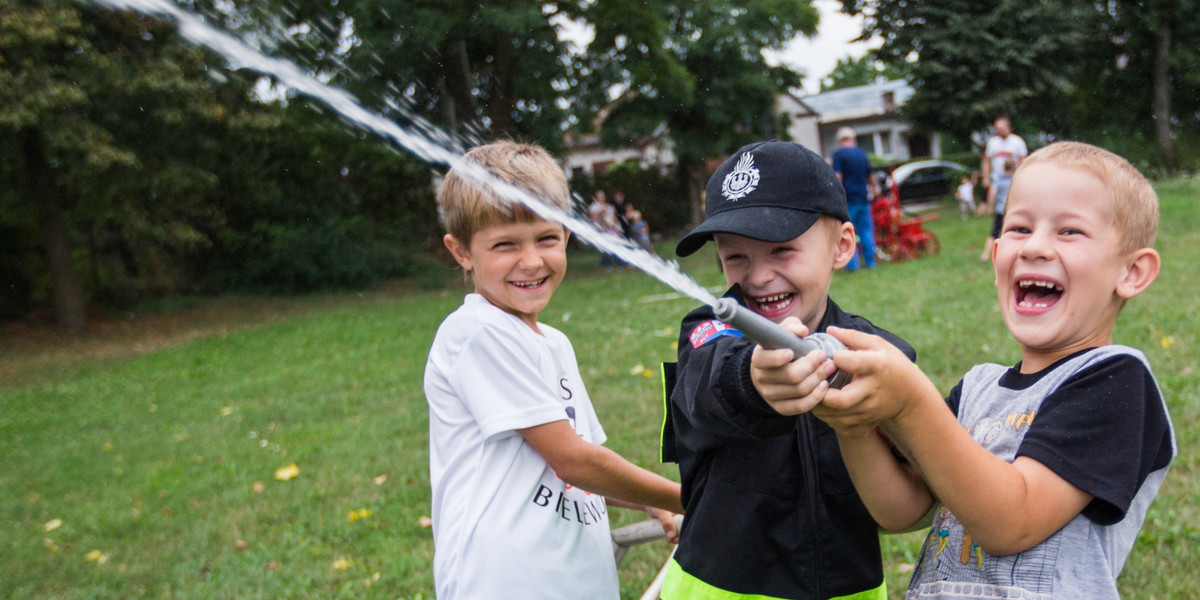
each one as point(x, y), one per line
point(515, 266)
point(1003, 127)
point(787, 279)
point(1061, 276)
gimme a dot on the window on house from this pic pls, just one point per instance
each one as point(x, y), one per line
point(867, 143)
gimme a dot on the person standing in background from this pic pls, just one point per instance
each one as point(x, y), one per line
point(1004, 145)
point(854, 170)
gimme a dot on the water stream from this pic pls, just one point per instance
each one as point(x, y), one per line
point(238, 53)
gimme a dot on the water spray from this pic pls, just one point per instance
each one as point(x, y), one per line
point(427, 143)
point(772, 336)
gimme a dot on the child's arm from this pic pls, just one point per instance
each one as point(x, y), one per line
point(599, 470)
point(891, 489)
point(1006, 507)
point(665, 518)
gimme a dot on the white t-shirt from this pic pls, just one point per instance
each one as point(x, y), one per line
point(504, 524)
point(998, 149)
point(966, 194)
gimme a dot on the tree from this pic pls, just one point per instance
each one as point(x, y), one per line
point(864, 70)
point(695, 67)
point(485, 68)
point(972, 61)
point(142, 166)
point(1118, 73)
point(61, 124)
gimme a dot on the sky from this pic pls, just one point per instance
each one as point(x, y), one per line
point(817, 56)
point(814, 57)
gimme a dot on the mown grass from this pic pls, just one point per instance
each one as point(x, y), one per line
point(159, 458)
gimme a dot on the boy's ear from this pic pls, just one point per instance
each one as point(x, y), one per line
point(846, 246)
point(460, 252)
point(1141, 269)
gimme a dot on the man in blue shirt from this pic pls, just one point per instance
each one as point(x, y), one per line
point(854, 170)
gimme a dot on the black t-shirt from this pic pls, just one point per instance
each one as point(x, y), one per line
point(1103, 430)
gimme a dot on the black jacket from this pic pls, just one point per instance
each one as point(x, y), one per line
point(770, 507)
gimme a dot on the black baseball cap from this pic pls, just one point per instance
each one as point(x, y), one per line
point(768, 191)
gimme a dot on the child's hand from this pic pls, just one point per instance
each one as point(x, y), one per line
point(667, 518)
point(885, 382)
point(791, 387)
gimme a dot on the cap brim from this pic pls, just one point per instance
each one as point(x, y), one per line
point(762, 223)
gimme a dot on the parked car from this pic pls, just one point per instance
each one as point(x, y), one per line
point(925, 180)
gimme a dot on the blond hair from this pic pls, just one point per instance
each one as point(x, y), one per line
point(468, 206)
point(1133, 200)
point(846, 133)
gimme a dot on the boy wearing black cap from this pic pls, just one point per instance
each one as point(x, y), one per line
point(771, 511)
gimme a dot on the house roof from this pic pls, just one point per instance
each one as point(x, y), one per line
point(859, 101)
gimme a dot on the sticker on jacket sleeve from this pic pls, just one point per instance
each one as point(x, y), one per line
point(711, 330)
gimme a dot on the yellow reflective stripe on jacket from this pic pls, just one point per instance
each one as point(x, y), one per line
point(662, 429)
point(679, 585)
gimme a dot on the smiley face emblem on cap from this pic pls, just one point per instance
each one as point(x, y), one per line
point(741, 180)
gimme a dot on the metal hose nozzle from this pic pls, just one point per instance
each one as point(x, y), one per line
point(772, 336)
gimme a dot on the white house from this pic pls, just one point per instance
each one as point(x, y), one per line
point(872, 110)
point(813, 121)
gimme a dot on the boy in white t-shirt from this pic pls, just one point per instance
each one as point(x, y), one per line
point(520, 482)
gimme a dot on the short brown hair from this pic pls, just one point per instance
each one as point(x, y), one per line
point(1134, 202)
point(468, 206)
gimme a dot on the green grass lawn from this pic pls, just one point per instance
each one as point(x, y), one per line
point(139, 469)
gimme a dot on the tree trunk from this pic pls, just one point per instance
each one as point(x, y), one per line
point(69, 307)
point(695, 181)
point(458, 104)
point(500, 96)
point(1162, 93)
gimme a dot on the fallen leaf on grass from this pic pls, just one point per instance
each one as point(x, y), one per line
point(356, 515)
point(641, 370)
point(380, 479)
point(52, 524)
point(240, 545)
point(258, 487)
point(341, 564)
point(96, 556)
point(288, 472)
point(1166, 342)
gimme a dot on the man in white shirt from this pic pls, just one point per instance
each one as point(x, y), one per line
point(1005, 144)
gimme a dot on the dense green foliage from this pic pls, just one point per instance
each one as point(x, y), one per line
point(696, 67)
point(1121, 74)
point(143, 167)
point(140, 168)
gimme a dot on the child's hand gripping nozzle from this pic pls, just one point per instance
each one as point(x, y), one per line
point(771, 336)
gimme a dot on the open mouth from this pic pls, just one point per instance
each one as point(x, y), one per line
point(530, 285)
point(1037, 293)
point(774, 304)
